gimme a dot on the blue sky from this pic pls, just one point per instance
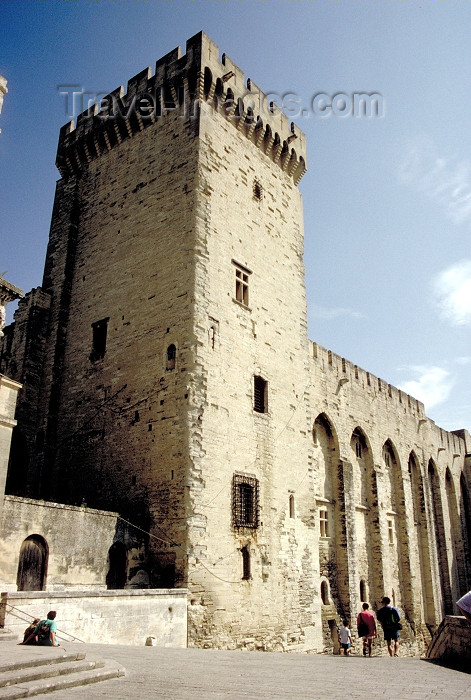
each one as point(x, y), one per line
point(387, 200)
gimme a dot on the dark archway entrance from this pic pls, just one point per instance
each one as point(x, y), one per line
point(117, 558)
point(32, 567)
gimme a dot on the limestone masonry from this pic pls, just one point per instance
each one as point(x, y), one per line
point(167, 377)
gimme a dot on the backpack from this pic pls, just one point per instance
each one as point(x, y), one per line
point(389, 617)
point(394, 618)
point(44, 631)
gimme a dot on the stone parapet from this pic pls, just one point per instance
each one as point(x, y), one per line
point(182, 84)
point(104, 617)
point(458, 441)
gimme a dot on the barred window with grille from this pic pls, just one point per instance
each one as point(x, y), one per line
point(245, 501)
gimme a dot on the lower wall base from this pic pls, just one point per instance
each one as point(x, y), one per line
point(105, 617)
point(451, 643)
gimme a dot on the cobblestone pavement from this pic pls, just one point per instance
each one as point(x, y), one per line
point(181, 674)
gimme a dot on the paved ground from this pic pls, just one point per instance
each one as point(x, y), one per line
point(181, 674)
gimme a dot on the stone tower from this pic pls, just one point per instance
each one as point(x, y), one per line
point(166, 374)
point(175, 369)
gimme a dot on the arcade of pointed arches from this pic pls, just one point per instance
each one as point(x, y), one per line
point(397, 524)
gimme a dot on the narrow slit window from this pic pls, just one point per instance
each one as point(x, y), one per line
point(171, 357)
point(99, 336)
point(260, 395)
point(291, 506)
point(390, 532)
point(245, 563)
point(257, 191)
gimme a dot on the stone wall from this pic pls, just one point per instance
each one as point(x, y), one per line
point(173, 290)
point(103, 617)
point(393, 488)
point(76, 541)
point(8, 396)
point(451, 643)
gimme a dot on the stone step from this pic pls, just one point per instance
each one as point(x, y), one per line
point(45, 675)
point(41, 661)
point(24, 675)
point(7, 636)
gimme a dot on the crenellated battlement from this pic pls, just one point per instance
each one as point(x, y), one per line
point(345, 371)
point(194, 85)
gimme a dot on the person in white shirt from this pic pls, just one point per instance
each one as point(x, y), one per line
point(345, 638)
point(464, 606)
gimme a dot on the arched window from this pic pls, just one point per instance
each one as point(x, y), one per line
point(358, 443)
point(363, 592)
point(218, 88)
point(325, 593)
point(291, 506)
point(208, 80)
point(171, 357)
point(32, 566)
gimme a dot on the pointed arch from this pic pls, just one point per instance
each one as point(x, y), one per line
point(330, 504)
point(440, 543)
point(325, 438)
point(465, 521)
point(456, 549)
point(398, 536)
point(366, 515)
point(362, 460)
point(420, 520)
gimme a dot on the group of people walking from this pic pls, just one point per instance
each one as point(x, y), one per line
point(388, 616)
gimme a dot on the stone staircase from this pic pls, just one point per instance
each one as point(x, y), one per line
point(46, 673)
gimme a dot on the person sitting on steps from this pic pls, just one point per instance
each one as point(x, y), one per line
point(46, 631)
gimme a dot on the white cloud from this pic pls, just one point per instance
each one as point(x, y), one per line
point(432, 385)
point(452, 290)
point(329, 313)
point(445, 180)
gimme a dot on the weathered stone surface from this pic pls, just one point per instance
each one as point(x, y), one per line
point(173, 380)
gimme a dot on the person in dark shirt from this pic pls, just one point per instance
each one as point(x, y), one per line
point(389, 618)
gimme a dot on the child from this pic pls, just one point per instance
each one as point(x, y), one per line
point(345, 638)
